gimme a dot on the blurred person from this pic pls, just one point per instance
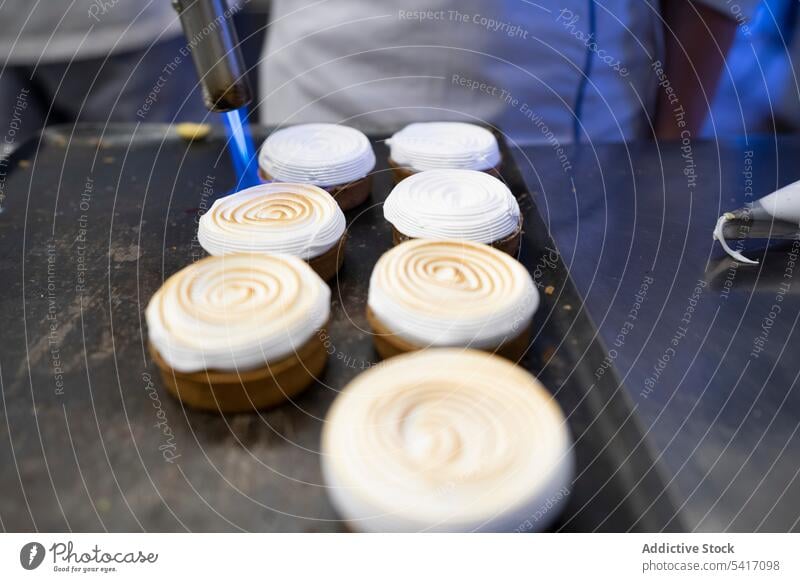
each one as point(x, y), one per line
point(251, 27)
point(93, 61)
point(759, 91)
point(542, 71)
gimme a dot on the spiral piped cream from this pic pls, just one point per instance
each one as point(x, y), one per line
point(444, 144)
point(448, 204)
point(445, 439)
point(236, 312)
point(451, 293)
point(296, 219)
point(324, 154)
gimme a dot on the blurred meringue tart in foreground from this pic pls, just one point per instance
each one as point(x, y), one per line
point(426, 293)
point(296, 219)
point(239, 332)
point(443, 145)
point(446, 440)
point(334, 157)
point(455, 204)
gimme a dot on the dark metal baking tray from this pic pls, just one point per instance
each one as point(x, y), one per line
point(94, 219)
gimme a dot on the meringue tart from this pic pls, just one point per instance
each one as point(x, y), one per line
point(446, 440)
point(427, 293)
point(443, 145)
point(239, 332)
point(455, 204)
point(334, 157)
point(296, 219)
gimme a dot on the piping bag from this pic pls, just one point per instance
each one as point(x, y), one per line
point(783, 204)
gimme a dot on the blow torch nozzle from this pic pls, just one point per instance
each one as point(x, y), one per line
point(215, 51)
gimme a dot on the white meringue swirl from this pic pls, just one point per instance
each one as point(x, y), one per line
point(323, 154)
point(444, 144)
point(452, 293)
point(453, 204)
point(445, 440)
point(296, 219)
point(236, 312)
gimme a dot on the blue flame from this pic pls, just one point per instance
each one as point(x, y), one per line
point(240, 144)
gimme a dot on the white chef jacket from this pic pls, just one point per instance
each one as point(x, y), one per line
point(59, 31)
point(521, 65)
